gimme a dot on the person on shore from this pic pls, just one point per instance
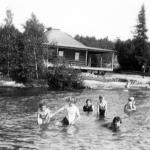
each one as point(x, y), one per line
point(115, 124)
point(102, 107)
point(72, 112)
point(88, 107)
point(130, 106)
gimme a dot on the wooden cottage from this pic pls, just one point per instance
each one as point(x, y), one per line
point(62, 48)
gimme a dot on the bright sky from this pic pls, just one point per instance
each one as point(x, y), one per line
point(99, 18)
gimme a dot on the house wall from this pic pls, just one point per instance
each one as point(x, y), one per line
point(69, 57)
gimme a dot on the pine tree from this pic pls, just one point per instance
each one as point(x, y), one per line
point(140, 38)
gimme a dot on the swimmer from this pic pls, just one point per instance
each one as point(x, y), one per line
point(128, 84)
point(130, 106)
point(72, 113)
point(44, 114)
point(88, 107)
point(115, 124)
point(102, 107)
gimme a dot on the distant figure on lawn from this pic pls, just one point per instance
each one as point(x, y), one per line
point(88, 107)
point(102, 107)
point(130, 106)
point(72, 112)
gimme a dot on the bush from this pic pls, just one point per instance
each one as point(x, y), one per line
point(62, 77)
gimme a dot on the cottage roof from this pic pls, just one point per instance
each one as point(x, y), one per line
point(59, 38)
point(56, 37)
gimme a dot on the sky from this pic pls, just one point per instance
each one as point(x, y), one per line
point(100, 18)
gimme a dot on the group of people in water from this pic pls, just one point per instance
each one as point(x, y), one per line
point(73, 115)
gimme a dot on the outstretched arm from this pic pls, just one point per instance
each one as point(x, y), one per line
point(56, 112)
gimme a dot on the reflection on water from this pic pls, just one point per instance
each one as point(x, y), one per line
point(19, 129)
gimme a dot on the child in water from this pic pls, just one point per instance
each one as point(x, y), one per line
point(88, 107)
point(130, 106)
point(44, 114)
point(102, 107)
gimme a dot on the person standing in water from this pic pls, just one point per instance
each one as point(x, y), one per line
point(72, 113)
point(102, 107)
point(130, 106)
point(88, 107)
point(44, 114)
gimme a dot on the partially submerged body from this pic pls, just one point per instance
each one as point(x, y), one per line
point(115, 124)
point(88, 107)
point(102, 107)
point(130, 106)
point(72, 113)
point(44, 114)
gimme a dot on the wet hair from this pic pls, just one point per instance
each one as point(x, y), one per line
point(117, 119)
point(88, 100)
point(101, 97)
point(70, 99)
point(42, 104)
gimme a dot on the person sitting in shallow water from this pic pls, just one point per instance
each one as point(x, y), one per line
point(102, 107)
point(115, 124)
point(130, 106)
point(88, 107)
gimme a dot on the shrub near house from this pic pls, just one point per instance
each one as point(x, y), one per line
point(62, 77)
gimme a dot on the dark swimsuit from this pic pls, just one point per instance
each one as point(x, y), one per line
point(87, 108)
point(65, 121)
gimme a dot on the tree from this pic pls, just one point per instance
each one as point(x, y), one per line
point(140, 39)
point(8, 36)
point(126, 55)
point(34, 38)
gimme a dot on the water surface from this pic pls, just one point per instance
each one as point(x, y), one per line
point(19, 129)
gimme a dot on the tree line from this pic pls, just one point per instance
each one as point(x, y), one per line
point(21, 52)
point(133, 53)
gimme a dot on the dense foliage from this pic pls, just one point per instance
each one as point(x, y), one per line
point(104, 43)
point(62, 77)
point(133, 54)
point(21, 53)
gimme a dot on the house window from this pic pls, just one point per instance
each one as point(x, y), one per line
point(61, 53)
point(76, 56)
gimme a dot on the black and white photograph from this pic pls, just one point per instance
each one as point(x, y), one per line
point(74, 74)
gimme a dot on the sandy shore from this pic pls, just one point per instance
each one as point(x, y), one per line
point(115, 81)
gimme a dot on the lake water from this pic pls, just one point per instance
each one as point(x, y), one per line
point(19, 129)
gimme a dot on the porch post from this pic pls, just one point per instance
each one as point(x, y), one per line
point(86, 63)
point(101, 61)
point(112, 60)
point(57, 51)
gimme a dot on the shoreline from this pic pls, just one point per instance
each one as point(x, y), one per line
point(91, 81)
point(116, 81)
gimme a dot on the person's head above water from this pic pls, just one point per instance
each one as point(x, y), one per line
point(101, 98)
point(42, 106)
point(70, 100)
point(131, 99)
point(88, 102)
point(116, 123)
